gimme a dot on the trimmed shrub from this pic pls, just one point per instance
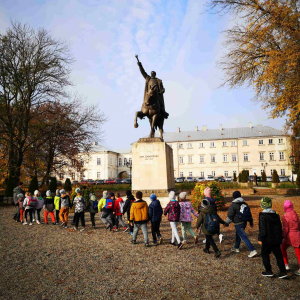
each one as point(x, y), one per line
point(68, 185)
point(298, 179)
point(53, 184)
point(263, 176)
point(234, 177)
point(244, 176)
point(34, 185)
point(240, 177)
point(216, 193)
point(275, 177)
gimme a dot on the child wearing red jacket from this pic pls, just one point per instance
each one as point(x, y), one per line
point(118, 214)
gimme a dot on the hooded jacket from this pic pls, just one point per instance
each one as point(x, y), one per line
point(57, 202)
point(155, 211)
point(201, 219)
point(186, 211)
point(16, 191)
point(65, 201)
point(117, 206)
point(173, 211)
point(40, 203)
point(49, 204)
point(127, 206)
point(79, 203)
point(270, 229)
point(234, 209)
point(291, 229)
point(90, 207)
point(139, 212)
point(101, 204)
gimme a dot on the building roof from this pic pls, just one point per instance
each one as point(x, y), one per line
point(123, 151)
point(100, 148)
point(225, 133)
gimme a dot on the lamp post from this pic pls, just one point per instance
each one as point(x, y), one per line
point(292, 160)
point(264, 165)
point(129, 165)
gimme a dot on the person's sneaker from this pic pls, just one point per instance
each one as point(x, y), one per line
point(125, 229)
point(184, 243)
point(30, 224)
point(267, 274)
point(25, 223)
point(206, 250)
point(155, 243)
point(131, 233)
point(235, 250)
point(204, 241)
point(220, 238)
point(62, 224)
point(180, 245)
point(173, 244)
point(160, 240)
point(297, 272)
point(107, 225)
point(195, 239)
point(65, 226)
point(146, 245)
point(33, 220)
point(287, 267)
point(116, 229)
point(218, 254)
point(283, 275)
point(252, 253)
point(74, 228)
point(38, 222)
point(133, 242)
point(82, 229)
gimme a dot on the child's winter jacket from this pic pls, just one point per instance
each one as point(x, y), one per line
point(49, 203)
point(25, 203)
point(20, 203)
point(173, 211)
point(127, 206)
point(291, 229)
point(79, 203)
point(117, 206)
point(90, 207)
point(139, 212)
point(57, 202)
point(65, 201)
point(40, 203)
point(186, 211)
point(155, 211)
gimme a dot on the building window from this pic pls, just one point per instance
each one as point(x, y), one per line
point(261, 156)
point(212, 144)
point(225, 159)
point(201, 159)
point(120, 162)
point(270, 141)
point(246, 157)
point(281, 155)
point(125, 161)
point(98, 161)
point(213, 173)
point(180, 146)
point(191, 174)
point(202, 174)
point(73, 175)
point(271, 155)
point(201, 145)
point(181, 159)
point(260, 142)
point(233, 157)
point(280, 141)
point(130, 161)
point(213, 158)
point(224, 144)
point(98, 175)
point(226, 173)
point(190, 159)
point(181, 174)
point(245, 143)
point(232, 143)
point(282, 172)
point(190, 145)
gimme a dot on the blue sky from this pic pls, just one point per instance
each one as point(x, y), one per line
point(171, 37)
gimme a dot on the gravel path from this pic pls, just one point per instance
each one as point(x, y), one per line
point(49, 262)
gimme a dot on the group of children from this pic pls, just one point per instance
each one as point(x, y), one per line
point(272, 236)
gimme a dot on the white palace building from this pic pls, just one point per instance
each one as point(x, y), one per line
point(217, 152)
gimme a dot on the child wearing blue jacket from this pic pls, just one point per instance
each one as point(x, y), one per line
point(155, 213)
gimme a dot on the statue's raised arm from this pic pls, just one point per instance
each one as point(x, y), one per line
point(145, 75)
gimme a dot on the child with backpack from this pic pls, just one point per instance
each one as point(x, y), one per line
point(29, 204)
point(102, 209)
point(186, 211)
point(239, 213)
point(49, 207)
point(291, 233)
point(39, 206)
point(57, 205)
point(126, 209)
point(118, 211)
point(109, 207)
point(173, 212)
point(20, 202)
point(79, 203)
point(210, 221)
point(155, 213)
point(270, 237)
point(92, 208)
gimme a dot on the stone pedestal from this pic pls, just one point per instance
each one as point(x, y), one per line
point(152, 167)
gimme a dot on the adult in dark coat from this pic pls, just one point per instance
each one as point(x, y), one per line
point(16, 191)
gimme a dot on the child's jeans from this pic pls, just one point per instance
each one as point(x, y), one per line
point(119, 220)
point(241, 235)
point(92, 215)
point(155, 230)
point(210, 242)
point(38, 214)
point(57, 216)
point(79, 215)
point(265, 254)
point(51, 215)
point(29, 211)
point(63, 214)
point(136, 227)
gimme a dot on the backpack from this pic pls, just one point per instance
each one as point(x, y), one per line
point(211, 223)
point(95, 205)
point(109, 204)
point(32, 202)
point(244, 214)
point(121, 204)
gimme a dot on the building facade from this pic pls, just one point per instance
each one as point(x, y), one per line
point(198, 153)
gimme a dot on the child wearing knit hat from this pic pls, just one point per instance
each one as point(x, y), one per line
point(270, 237)
point(291, 233)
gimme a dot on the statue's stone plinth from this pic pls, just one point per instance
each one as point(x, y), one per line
point(150, 140)
point(152, 167)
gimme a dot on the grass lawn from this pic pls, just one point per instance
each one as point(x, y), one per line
point(49, 262)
